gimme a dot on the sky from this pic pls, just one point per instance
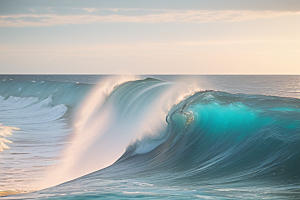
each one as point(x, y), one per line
point(150, 37)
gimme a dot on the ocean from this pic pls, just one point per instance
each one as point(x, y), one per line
point(150, 137)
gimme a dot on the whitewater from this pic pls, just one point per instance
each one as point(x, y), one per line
point(149, 137)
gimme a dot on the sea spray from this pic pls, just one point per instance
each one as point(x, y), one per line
point(87, 123)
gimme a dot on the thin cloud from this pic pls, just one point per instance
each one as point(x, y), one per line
point(186, 16)
point(90, 10)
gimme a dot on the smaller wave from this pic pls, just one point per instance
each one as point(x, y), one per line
point(32, 134)
point(68, 94)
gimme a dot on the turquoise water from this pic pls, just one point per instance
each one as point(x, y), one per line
point(153, 138)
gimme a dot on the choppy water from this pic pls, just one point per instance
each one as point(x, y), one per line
point(150, 137)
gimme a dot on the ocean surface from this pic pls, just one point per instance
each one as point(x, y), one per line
point(149, 137)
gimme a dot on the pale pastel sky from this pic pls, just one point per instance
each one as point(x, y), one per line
point(150, 36)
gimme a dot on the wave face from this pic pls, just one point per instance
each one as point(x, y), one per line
point(216, 137)
point(214, 145)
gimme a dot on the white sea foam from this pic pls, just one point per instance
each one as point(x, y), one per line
point(4, 132)
point(203, 197)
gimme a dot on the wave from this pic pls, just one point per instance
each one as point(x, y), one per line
point(106, 125)
point(229, 142)
point(138, 130)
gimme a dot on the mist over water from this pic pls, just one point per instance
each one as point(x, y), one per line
point(152, 138)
